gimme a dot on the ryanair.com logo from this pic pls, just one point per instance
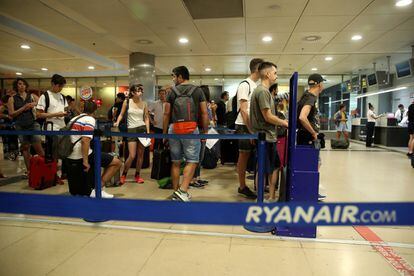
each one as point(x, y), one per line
point(344, 214)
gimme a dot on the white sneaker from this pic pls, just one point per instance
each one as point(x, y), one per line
point(273, 200)
point(103, 194)
point(181, 196)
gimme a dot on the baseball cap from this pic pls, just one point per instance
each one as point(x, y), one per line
point(315, 79)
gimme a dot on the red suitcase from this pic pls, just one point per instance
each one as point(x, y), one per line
point(42, 174)
point(281, 149)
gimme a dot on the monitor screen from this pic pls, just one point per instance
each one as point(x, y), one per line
point(403, 69)
point(372, 79)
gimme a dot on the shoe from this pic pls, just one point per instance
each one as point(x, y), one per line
point(122, 180)
point(59, 180)
point(273, 200)
point(250, 177)
point(247, 193)
point(25, 175)
point(181, 196)
point(409, 155)
point(321, 197)
point(202, 181)
point(2, 176)
point(139, 179)
point(197, 184)
point(103, 194)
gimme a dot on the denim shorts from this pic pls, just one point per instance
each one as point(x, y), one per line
point(189, 149)
point(342, 127)
point(29, 139)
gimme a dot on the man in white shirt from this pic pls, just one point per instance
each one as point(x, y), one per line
point(400, 113)
point(52, 104)
point(157, 110)
point(243, 126)
point(83, 152)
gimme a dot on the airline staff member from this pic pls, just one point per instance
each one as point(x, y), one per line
point(372, 117)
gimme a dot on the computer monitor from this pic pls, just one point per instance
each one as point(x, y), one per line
point(404, 69)
point(372, 79)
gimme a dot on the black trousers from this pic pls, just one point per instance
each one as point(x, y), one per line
point(370, 133)
point(157, 142)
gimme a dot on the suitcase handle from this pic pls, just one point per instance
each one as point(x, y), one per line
point(48, 123)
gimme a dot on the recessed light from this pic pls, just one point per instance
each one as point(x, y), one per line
point(274, 7)
point(91, 67)
point(311, 38)
point(104, 83)
point(19, 74)
point(314, 69)
point(216, 79)
point(25, 46)
point(183, 40)
point(403, 3)
point(267, 38)
point(44, 69)
point(329, 58)
point(144, 41)
point(356, 37)
point(207, 69)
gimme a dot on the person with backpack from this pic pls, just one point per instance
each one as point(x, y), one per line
point(80, 160)
point(52, 107)
point(115, 110)
point(221, 109)
point(341, 118)
point(241, 104)
point(185, 108)
point(136, 112)
point(21, 109)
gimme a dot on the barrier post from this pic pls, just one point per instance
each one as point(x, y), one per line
point(261, 152)
point(97, 160)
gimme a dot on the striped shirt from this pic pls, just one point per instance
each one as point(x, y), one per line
point(86, 123)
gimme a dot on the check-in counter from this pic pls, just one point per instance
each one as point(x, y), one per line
point(387, 132)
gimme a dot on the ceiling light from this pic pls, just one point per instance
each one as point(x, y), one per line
point(44, 69)
point(216, 79)
point(356, 37)
point(91, 67)
point(311, 38)
point(183, 40)
point(104, 83)
point(329, 58)
point(267, 38)
point(403, 3)
point(144, 41)
point(19, 74)
point(25, 46)
point(314, 69)
point(207, 69)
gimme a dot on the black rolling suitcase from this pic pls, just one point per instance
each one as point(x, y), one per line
point(339, 144)
point(229, 151)
point(80, 182)
point(161, 164)
point(210, 159)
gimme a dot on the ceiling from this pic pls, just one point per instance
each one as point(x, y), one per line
point(68, 36)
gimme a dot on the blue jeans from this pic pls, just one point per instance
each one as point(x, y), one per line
point(187, 148)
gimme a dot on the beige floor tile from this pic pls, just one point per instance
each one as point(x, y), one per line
point(265, 243)
point(121, 254)
point(338, 232)
point(185, 257)
point(42, 251)
point(11, 234)
point(391, 234)
point(203, 228)
point(254, 260)
point(347, 262)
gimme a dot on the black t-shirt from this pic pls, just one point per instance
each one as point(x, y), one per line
point(410, 113)
point(221, 112)
point(313, 116)
point(198, 97)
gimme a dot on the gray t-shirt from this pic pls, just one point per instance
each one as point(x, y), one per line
point(262, 99)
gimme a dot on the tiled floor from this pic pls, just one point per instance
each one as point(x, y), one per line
point(53, 248)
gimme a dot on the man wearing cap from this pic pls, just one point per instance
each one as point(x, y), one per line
point(308, 117)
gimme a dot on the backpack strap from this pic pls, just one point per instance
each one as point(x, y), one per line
point(47, 100)
point(238, 111)
point(73, 122)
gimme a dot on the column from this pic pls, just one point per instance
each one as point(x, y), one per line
point(142, 70)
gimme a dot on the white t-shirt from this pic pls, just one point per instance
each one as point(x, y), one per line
point(56, 104)
point(370, 115)
point(135, 115)
point(158, 109)
point(86, 123)
point(243, 93)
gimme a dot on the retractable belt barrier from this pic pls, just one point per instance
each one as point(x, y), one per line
point(220, 213)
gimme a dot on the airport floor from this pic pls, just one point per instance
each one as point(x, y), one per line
point(33, 245)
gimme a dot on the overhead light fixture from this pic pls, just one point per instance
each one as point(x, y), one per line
point(104, 83)
point(403, 3)
point(91, 67)
point(329, 58)
point(267, 38)
point(207, 69)
point(356, 37)
point(19, 74)
point(314, 69)
point(216, 79)
point(382, 92)
point(144, 41)
point(183, 40)
point(44, 69)
point(25, 46)
point(311, 38)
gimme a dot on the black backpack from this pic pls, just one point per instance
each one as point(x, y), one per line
point(231, 116)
